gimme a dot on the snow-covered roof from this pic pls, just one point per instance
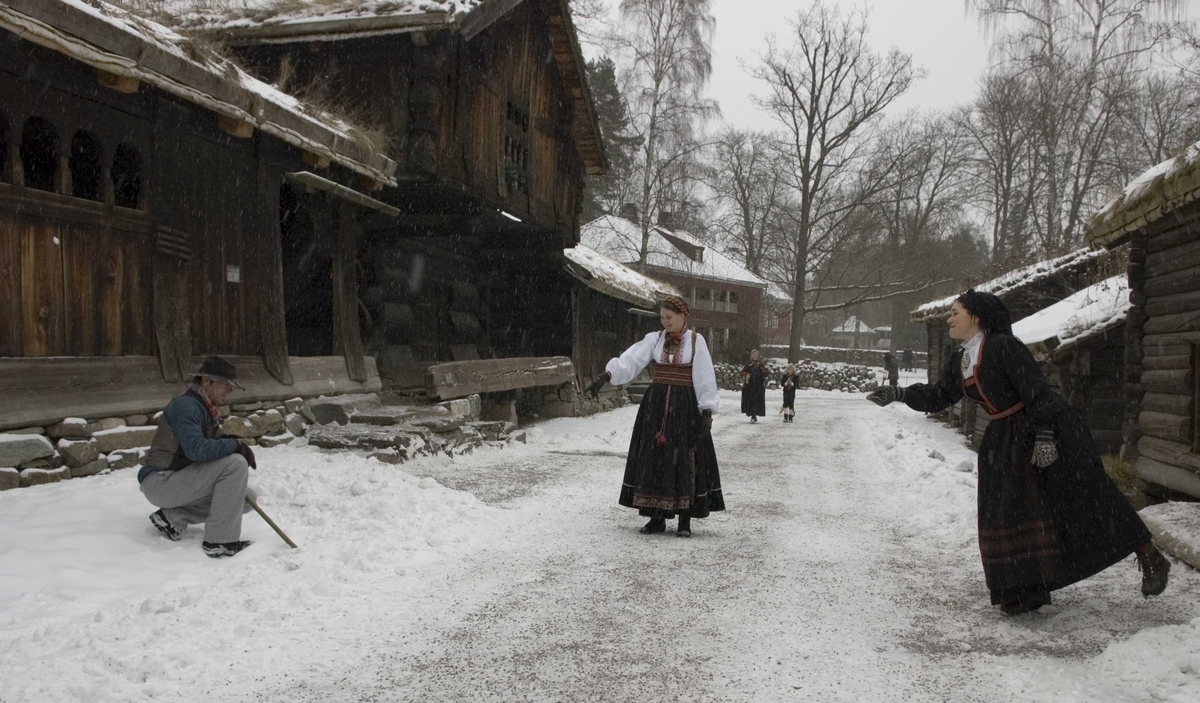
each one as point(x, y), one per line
point(292, 17)
point(126, 44)
point(616, 279)
point(1013, 281)
point(1089, 312)
point(1161, 189)
point(848, 327)
point(620, 239)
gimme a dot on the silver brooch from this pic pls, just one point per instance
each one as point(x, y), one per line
point(966, 361)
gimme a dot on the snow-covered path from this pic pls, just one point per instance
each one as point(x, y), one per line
point(844, 569)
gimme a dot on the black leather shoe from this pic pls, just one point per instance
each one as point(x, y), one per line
point(159, 520)
point(685, 527)
point(1155, 569)
point(656, 526)
point(1027, 604)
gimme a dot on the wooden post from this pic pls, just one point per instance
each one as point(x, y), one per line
point(269, 271)
point(170, 279)
point(346, 334)
point(1135, 323)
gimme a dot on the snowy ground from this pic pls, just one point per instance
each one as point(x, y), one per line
point(846, 568)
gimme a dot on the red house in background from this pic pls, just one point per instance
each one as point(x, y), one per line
point(725, 297)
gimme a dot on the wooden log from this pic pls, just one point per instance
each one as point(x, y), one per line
point(1159, 349)
point(45, 390)
point(1174, 304)
point(1173, 236)
point(1172, 283)
point(1176, 258)
point(1168, 403)
point(1168, 452)
point(463, 378)
point(1166, 363)
point(1176, 428)
point(1177, 381)
point(1184, 322)
point(347, 335)
point(234, 127)
point(1173, 477)
point(121, 84)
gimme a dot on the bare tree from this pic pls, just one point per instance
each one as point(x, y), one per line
point(750, 182)
point(1160, 122)
point(1082, 58)
point(825, 88)
point(666, 47)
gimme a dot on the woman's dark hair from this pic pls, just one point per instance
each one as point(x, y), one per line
point(993, 314)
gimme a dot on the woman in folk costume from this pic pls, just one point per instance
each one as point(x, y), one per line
point(672, 466)
point(788, 383)
point(1049, 516)
point(754, 388)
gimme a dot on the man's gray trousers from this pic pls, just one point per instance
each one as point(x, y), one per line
point(209, 492)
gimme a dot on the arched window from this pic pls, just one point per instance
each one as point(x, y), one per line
point(85, 166)
point(39, 153)
point(127, 176)
point(4, 172)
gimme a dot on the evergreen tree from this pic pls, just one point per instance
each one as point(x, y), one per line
point(605, 194)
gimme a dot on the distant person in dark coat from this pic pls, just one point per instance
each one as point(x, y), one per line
point(893, 370)
point(1049, 515)
point(754, 388)
point(909, 359)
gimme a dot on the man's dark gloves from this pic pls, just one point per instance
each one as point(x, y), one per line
point(886, 395)
point(245, 450)
point(707, 416)
point(1045, 452)
point(594, 387)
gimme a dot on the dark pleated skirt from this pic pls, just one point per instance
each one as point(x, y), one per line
point(1043, 529)
point(754, 399)
point(680, 477)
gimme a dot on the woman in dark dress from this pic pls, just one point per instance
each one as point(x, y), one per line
point(754, 388)
point(1049, 515)
point(672, 465)
point(788, 383)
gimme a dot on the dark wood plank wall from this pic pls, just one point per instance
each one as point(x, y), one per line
point(1167, 447)
point(603, 329)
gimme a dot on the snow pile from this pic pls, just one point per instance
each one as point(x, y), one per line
point(1088, 312)
point(621, 240)
point(1015, 280)
point(618, 280)
point(256, 13)
point(95, 605)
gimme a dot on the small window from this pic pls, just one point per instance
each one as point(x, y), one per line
point(39, 153)
point(127, 176)
point(85, 166)
point(3, 149)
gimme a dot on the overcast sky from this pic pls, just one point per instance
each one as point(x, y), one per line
point(943, 38)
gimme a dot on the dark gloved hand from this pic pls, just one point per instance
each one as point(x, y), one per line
point(594, 387)
point(1045, 452)
point(245, 450)
point(706, 415)
point(886, 395)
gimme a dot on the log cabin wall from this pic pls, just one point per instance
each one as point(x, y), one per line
point(1168, 453)
point(122, 212)
point(604, 328)
point(1090, 376)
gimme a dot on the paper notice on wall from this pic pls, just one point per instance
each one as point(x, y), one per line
point(233, 274)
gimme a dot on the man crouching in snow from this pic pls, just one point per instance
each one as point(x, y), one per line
point(193, 473)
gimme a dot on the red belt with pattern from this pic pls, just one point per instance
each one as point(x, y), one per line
point(672, 374)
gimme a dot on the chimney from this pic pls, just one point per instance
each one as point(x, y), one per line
point(666, 219)
point(629, 211)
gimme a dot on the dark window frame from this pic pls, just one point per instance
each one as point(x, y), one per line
point(128, 184)
point(86, 164)
point(40, 159)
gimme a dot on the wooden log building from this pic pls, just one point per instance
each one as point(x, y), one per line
point(490, 119)
point(148, 191)
point(1025, 291)
point(1158, 215)
point(1080, 343)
